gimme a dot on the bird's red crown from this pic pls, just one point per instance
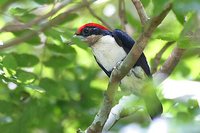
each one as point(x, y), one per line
point(91, 25)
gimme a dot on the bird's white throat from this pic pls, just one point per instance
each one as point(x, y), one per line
point(107, 52)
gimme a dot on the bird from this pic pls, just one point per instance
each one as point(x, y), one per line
point(110, 47)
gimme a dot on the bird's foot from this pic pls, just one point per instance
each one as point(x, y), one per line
point(116, 68)
point(118, 64)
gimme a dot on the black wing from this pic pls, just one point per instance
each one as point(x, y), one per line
point(126, 42)
point(108, 73)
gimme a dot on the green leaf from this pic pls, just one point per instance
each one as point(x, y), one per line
point(25, 77)
point(3, 1)
point(7, 107)
point(44, 1)
point(158, 6)
point(26, 60)
point(55, 34)
point(182, 69)
point(9, 62)
point(168, 36)
point(22, 32)
point(9, 65)
point(180, 17)
point(17, 11)
point(49, 85)
point(64, 49)
point(182, 7)
point(27, 17)
point(189, 37)
point(184, 116)
point(70, 17)
point(23, 14)
point(57, 61)
point(34, 40)
point(166, 30)
point(134, 22)
point(193, 106)
point(145, 2)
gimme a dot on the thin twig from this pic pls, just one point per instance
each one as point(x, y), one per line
point(21, 26)
point(141, 12)
point(158, 56)
point(108, 101)
point(124, 68)
point(122, 14)
point(169, 65)
point(58, 19)
point(96, 16)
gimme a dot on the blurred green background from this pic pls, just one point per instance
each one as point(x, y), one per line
point(47, 86)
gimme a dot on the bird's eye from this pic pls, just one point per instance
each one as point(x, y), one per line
point(96, 31)
point(86, 31)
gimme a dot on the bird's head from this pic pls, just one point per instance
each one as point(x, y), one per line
point(91, 32)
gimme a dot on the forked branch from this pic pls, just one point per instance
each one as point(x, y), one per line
point(141, 12)
point(156, 60)
point(117, 74)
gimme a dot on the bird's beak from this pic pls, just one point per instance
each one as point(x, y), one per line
point(90, 40)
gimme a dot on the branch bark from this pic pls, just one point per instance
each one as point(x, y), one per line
point(19, 27)
point(101, 117)
point(141, 12)
point(122, 14)
point(158, 56)
point(141, 43)
point(123, 109)
point(58, 19)
point(169, 65)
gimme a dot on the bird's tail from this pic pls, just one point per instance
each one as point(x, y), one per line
point(153, 104)
point(138, 83)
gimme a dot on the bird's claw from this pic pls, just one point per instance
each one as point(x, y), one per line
point(118, 65)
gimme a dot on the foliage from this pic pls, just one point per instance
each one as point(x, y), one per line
point(49, 86)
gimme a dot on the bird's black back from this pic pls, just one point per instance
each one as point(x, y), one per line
point(126, 42)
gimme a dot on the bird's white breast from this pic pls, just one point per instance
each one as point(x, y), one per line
point(107, 52)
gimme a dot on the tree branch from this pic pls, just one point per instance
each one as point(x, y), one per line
point(158, 56)
point(124, 68)
point(169, 65)
point(141, 12)
point(101, 117)
point(140, 44)
point(21, 26)
point(123, 109)
point(58, 19)
point(95, 15)
point(122, 14)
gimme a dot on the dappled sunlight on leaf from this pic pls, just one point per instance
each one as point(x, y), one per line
point(25, 77)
